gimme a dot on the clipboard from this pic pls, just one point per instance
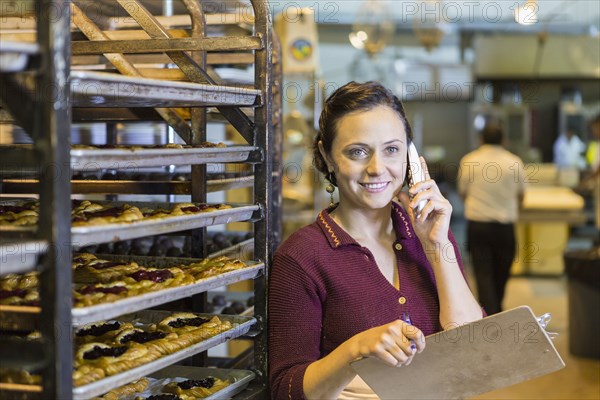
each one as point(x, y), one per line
point(494, 352)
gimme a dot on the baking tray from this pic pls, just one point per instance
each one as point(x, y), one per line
point(95, 159)
point(19, 256)
point(14, 391)
point(14, 56)
point(217, 185)
point(241, 325)
point(243, 250)
point(101, 89)
point(88, 235)
point(85, 315)
point(25, 318)
point(19, 318)
point(240, 378)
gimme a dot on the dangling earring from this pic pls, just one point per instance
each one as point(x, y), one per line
point(330, 188)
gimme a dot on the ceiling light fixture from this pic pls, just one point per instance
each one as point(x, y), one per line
point(527, 14)
point(373, 27)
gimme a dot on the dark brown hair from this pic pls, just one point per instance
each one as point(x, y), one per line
point(350, 98)
point(492, 134)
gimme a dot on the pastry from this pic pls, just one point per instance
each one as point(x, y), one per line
point(196, 389)
point(87, 374)
point(88, 269)
point(19, 377)
point(86, 213)
point(163, 396)
point(21, 214)
point(20, 297)
point(104, 332)
point(111, 359)
point(106, 215)
point(192, 328)
point(16, 281)
point(134, 387)
point(213, 266)
point(158, 343)
point(90, 295)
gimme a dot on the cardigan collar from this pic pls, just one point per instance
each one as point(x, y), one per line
point(338, 237)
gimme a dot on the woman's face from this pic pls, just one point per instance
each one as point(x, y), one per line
point(368, 156)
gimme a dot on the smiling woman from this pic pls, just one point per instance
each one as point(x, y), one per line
point(339, 286)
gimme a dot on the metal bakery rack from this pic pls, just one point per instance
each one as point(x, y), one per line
point(64, 62)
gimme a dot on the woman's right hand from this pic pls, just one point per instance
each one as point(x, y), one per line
point(395, 343)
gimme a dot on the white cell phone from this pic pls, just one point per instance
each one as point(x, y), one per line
point(415, 172)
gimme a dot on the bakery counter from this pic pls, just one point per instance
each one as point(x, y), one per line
point(543, 229)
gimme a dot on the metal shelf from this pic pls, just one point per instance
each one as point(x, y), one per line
point(241, 325)
point(16, 56)
point(93, 234)
point(18, 257)
point(28, 186)
point(82, 316)
point(99, 89)
point(94, 159)
point(100, 96)
point(24, 318)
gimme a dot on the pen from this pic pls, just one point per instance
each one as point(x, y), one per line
point(406, 318)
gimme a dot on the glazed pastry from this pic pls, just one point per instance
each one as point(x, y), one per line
point(20, 297)
point(87, 374)
point(157, 342)
point(112, 359)
point(164, 396)
point(15, 281)
point(21, 214)
point(20, 377)
point(82, 259)
point(181, 322)
point(106, 215)
point(85, 213)
point(88, 270)
point(90, 295)
point(104, 332)
point(191, 328)
point(134, 387)
point(196, 389)
point(213, 266)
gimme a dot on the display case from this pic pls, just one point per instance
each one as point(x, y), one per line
point(134, 65)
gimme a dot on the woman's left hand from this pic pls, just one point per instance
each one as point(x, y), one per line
point(433, 223)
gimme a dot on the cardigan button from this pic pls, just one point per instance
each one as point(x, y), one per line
point(402, 300)
point(398, 246)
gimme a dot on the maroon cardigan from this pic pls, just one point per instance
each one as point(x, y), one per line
point(324, 288)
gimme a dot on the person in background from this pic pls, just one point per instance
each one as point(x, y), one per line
point(592, 180)
point(569, 150)
point(592, 155)
point(491, 183)
point(339, 287)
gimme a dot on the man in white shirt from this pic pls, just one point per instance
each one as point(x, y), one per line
point(491, 182)
point(569, 150)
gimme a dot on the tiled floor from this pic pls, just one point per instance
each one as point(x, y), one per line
point(580, 379)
